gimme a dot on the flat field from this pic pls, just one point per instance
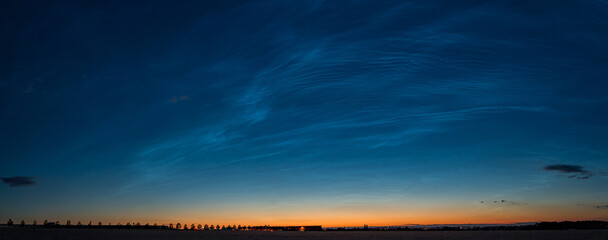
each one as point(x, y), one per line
point(120, 234)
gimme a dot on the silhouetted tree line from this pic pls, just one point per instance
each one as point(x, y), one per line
point(137, 225)
point(178, 226)
point(571, 225)
point(68, 224)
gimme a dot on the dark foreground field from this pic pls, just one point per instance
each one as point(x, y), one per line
point(120, 234)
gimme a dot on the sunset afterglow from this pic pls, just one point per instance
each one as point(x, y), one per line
point(293, 113)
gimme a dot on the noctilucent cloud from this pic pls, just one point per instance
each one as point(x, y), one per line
point(340, 113)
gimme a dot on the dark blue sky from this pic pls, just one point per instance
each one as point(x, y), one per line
point(329, 112)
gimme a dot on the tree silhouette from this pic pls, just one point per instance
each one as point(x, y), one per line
point(22, 223)
point(57, 223)
point(99, 223)
point(68, 223)
point(46, 222)
point(10, 222)
point(178, 226)
point(170, 225)
point(239, 227)
point(233, 227)
point(212, 227)
point(206, 227)
point(34, 223)
point(90, 223)
point(199, 227)
point(185, 226)
point(78, 224)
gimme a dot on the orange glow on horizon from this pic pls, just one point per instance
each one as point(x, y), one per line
point(347, 216)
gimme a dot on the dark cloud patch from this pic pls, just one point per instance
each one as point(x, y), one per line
point(19, 181)
point(502, 202)
point(508, 202)
point(575, 171)
point(565, 168)
point(602, 207)
point(580, 176)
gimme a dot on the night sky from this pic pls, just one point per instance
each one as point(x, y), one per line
point(340, 113)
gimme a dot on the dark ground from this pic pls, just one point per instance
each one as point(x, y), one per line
point(67, 234)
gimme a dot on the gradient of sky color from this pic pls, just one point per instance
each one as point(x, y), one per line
point(304, 112)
